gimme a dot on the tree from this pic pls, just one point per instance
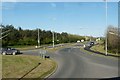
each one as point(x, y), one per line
point(112, 38)
point(30, 37)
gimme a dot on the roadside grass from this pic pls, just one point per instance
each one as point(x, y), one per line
point(17, 66)
point(30, 47)
point(21, 46)
point(25, 47)
point(94, 54)
point(100, 48)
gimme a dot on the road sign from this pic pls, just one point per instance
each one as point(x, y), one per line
point(42, 53)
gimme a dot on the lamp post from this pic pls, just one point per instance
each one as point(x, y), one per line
point(106, 26)
point(113, 33)
point(1, 37)
point(38, 38)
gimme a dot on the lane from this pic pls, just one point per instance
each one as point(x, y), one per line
point(73, 63)
point(68, 65)
point(97, 67)
point(77, 64)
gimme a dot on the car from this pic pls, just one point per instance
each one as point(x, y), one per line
point(92, 43)
point(47, 56)
point(8, 50)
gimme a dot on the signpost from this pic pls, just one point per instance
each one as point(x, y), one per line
point(42, 53)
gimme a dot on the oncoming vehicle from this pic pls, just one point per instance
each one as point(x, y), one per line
point(8, 50)
point(92, 43)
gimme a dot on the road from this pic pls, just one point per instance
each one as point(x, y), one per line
point(73, 63)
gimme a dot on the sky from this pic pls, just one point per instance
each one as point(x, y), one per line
point(82, 18)
point(58, 0)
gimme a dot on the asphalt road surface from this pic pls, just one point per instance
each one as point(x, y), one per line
point(73, 63)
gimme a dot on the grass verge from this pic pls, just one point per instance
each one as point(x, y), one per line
point(99, 55)
point(23, 47)
point(100, 48)
point(18, 66)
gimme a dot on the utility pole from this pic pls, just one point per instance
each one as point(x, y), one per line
point(53, 39)
point(106, 26)
point(38, 38)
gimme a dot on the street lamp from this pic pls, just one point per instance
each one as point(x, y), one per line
point(106, 26)
point(4, 33)
point(38, 38)
point(113, 33)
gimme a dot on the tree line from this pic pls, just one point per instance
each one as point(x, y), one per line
point(19, 36)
